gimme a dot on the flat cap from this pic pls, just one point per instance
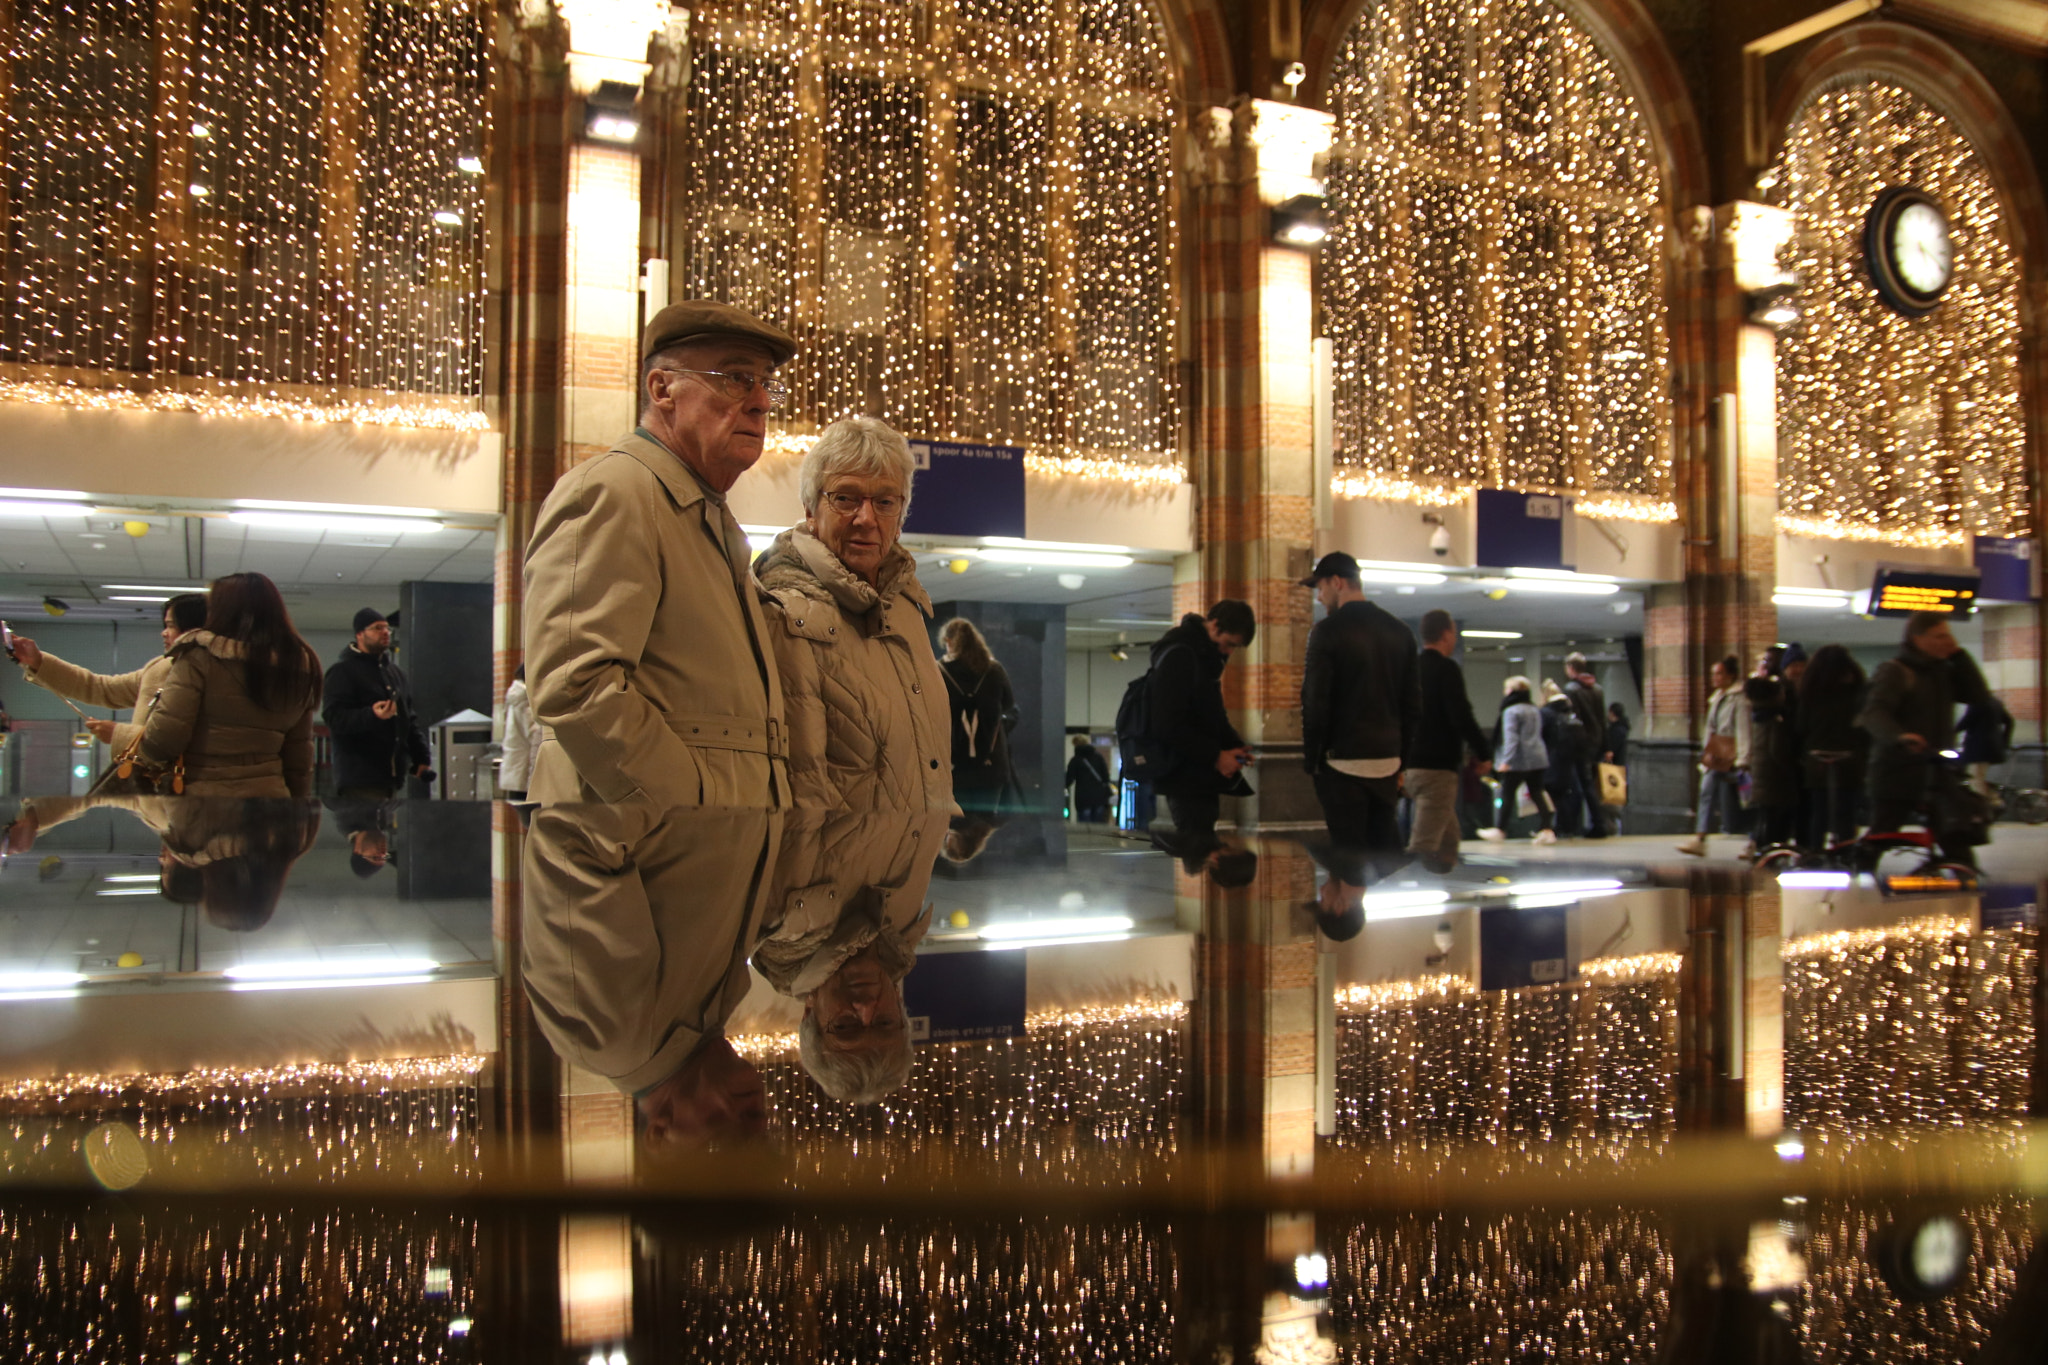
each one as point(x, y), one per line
point(694, 319)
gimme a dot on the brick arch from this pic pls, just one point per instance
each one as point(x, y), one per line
point(1943, 77)
point(1627, 33)
point(1200, 51)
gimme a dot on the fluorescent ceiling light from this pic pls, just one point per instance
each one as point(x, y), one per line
point(1051, 941)
point(306, 521)
point(1039, 928)
point(1386, 905)
point(38, 981)
point(1543, 902)
point(154, 587)
point(353, 509)
point(1562, 575)
point(127, 890)
point(1132, 621)
point(1014, 543)
point(1562, 586)
point(328, 982)
point(62, 494)
point(1813, 881)
point(157, 597)
point(758, 543)
point(336, 967)
point(10, 997)
point(1055, 559)
point(1583, 887)
point(150, 877)
point(1408, 576)
point(42, 509)
point(1815, 598)
point(1491, 634)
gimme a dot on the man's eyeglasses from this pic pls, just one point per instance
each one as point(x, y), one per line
point(887, 507)
point(737, 387)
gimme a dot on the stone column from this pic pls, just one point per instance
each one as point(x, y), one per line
point(1253, 465)
point(1731, 1005)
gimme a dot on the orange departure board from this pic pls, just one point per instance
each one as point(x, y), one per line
point(1901, 591)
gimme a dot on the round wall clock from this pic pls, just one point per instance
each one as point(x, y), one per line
point(1907, 250)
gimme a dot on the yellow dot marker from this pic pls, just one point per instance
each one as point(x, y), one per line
point(958, 919)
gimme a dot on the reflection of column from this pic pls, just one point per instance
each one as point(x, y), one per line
point(1253, 462)
point(1731, 1005)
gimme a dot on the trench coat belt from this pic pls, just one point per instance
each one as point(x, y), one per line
point(759, 735)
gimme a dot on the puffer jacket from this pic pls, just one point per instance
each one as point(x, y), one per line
point(231, 746)
point(844, 880)
point(1917, 694)
point(869, 724)
point(105, 689)
point(1521, 736)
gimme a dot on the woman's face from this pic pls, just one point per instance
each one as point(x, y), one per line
point(862, 537)
point(171, 631)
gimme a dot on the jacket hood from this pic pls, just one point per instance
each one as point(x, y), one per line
point(219, 646)
point(1193, 631)
point(799, 562)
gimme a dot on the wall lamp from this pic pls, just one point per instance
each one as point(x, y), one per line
point(608, 114)
point(1302, 221)
point(1776, 307)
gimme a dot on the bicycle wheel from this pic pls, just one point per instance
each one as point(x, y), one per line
point(2027, 805)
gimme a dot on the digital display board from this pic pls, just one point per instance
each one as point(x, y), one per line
point(1901, 590)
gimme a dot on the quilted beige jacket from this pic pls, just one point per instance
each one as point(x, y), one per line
point(231, 746)
point(869, 725)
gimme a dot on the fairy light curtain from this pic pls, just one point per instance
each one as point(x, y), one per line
point(1895, 429)
point(240, 206)
point(1493, 282)
point(961, 209)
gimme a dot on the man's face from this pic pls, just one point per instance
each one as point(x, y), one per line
point(716, 1095)
point(861, 538)
point(374, 638)
point(1938, 641)
point(371, 845)
point(1326, 591)
point(1228, 641)
point(719, 437)
point(858, 1008)
point(1449, 643)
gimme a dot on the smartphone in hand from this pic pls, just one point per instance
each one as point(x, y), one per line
point(6, 639)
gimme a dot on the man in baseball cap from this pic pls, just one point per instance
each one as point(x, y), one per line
point(644, 643)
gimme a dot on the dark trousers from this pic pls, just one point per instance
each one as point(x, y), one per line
point(1564, 794)
point(1194, 815)
point(1365, 835)
point(1510, 783)
point(1589, 793)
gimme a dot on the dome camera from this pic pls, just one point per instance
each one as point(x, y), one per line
point(1440, 541)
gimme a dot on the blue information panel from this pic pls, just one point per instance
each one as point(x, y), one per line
point(2010, 905)
point(1520, 530)
point(1523, 948)
point(966, 490)
point(959, 997)
point(2007, 563)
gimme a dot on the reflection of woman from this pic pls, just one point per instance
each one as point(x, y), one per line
point(238, 703)
point(229, 857)
point(185, 612)
point(850, 627)
point(978, 689)
point(1521, 760)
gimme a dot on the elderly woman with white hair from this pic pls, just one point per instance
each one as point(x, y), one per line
point(869, 725)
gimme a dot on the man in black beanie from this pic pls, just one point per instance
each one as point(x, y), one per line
point(368, 709)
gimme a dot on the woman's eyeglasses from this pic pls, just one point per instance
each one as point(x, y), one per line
point(887, 507)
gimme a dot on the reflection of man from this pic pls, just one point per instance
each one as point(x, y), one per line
point(637, 928)
point(644, 638)
point(1205, 757)
point(846, 917)
point(367, 826)
point(1444, 733)
point(367, 708)
point(1582, 688)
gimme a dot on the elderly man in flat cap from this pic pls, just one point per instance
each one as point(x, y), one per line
point(645, 648)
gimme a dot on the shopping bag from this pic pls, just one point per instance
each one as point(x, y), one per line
point(1613, 785)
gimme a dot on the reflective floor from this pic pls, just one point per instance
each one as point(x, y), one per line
point(445, 1081)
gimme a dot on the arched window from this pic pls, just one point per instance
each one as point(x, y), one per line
point(961, 209)
point(1494, 280)
point(1896, 428)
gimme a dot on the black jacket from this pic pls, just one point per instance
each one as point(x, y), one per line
point(1591, 704)
point(369, 751)
point(1187, 714)
point(1088, 775)
point(1564, 740)
point(1361, 695)
point(982, 765)
point(1447, 728)
point(1774, 766)
point(1915, 693)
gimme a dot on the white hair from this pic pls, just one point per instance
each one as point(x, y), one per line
point(857, 1075)
point(863, 446)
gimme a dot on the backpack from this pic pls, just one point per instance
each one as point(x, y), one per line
point(1143, 753)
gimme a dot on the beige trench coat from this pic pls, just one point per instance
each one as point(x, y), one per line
point(637, 927)
point(869, 724)
point(231, 746)
point(105, 689)
point(646, 656)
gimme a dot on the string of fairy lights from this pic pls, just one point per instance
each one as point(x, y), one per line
point(1493, 281)
point(962, 213)
point(1895, 429)
point(289, 224)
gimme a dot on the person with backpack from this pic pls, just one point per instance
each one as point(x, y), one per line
point(1361, 711)
point(984, 711)
point(1172, 728)
point(1564, 744)
point(1088, 774)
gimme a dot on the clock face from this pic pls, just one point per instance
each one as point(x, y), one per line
point(1920, 249)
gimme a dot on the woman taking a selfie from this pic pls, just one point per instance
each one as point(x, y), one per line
point(239, 701)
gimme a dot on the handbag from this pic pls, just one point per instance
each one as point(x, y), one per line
point(1613, 785)
point(1719, 754)
point(129, 775)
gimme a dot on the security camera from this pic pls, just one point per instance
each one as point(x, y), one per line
point(1440, 541)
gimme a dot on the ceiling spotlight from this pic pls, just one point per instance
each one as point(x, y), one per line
point(1302, 221)
point(608, 114)
point(56, 606)
point(1120, 652)
point(1072, 582)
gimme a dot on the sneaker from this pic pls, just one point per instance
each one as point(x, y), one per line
point(1492, 836)
point(1696, 846)
point(1545, 836)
